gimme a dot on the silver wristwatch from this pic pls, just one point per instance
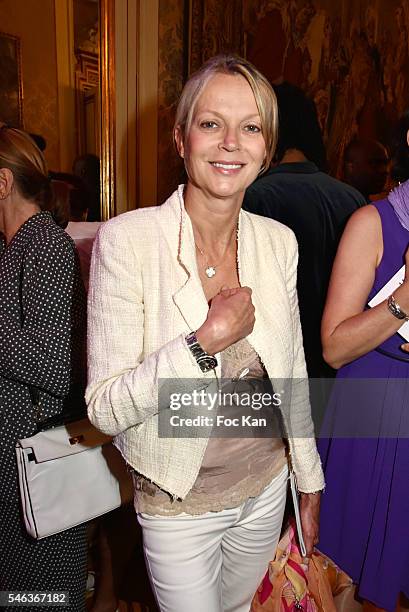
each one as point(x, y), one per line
point(205, 362)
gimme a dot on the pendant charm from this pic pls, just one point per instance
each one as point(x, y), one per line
point(210, 271)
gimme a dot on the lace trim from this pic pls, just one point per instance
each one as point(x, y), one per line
point(239, 357)
point(196, 503)
point(239, 360)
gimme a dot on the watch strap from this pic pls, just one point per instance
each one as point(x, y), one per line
point(205, 361)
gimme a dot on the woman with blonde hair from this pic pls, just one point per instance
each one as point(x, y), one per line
point(187, 294)
point(42, 316)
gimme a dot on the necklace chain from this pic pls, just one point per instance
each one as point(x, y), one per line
point(211, 269)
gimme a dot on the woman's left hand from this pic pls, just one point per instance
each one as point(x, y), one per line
point(310, 514)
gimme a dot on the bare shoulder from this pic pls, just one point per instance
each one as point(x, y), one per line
point(362, 238)
point(365, 219)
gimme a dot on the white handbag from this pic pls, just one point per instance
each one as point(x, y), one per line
point(69, 475)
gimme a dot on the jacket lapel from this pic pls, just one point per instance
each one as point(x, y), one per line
point(259, 270)
point(189, 297)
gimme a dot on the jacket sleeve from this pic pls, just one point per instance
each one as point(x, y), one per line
point(37, 350)
point(298, 422)
point(123, 383)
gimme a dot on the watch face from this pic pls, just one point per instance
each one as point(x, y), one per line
point(207, 363)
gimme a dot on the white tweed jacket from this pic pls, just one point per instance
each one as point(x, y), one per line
point(145, 296)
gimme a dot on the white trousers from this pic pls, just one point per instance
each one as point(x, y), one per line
point(214, 562)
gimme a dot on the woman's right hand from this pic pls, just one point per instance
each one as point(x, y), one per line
point(230, 318)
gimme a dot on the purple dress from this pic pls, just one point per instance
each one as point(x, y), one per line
point(365, 509)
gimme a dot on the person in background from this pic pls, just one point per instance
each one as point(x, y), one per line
point(116, 534)
point(400, 158)
point(313, 204)
point(366, 166)
point(298, 124)
point(83, 232)
point(42, 329)
point(191, 292)
point(87, 167)
point(40, 141)
point(365, 451)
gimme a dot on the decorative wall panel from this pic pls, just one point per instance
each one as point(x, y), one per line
point(351, 56)
point(215, 27)
point(36, 31)
point(170, 84)
point(11, 89)
point(190, 31)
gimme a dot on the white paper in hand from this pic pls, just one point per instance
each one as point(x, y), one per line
point(294, 494)
point(383, 294)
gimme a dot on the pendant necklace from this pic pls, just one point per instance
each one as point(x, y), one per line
point(210, 270)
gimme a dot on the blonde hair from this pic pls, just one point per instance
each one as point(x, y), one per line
point(263, 93)
point(20, 154)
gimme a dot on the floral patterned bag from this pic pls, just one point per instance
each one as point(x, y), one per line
point(290, 584)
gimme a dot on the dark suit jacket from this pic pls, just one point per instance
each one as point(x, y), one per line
point(316, 207)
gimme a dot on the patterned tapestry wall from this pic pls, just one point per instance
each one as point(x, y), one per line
point(351, 56)
point(170, 83)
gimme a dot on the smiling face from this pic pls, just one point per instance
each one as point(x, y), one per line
point(224, 148)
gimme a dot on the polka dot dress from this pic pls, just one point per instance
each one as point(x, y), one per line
point(42, 322)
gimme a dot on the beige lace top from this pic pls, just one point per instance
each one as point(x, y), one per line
point(234, 468)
